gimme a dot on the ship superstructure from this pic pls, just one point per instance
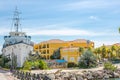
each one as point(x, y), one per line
point(17, 42)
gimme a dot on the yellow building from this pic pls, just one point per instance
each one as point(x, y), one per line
point(70, 54)
point(47, 48)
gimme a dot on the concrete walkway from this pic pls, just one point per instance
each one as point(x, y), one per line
point(6, 75)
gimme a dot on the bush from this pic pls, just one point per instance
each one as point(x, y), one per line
point(38, 64)
point(87, 60)
point(27, 65)
point(71, 64)
point(7, 65)
point(42, 64)
point(109, 66)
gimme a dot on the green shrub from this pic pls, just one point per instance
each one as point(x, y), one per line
point(43, 64)
point(87, 60)
point(71, 64)
point(109, 66)
point(38, 64)
point(7, 65)
point(27, 65)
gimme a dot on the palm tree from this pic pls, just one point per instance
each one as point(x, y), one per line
point(103, 51)
point(95, 51)
point(98, 53)
point(109, 52)
point(113, 48)
point(119, 52)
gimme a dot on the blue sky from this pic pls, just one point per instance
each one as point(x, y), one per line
point(96, 20)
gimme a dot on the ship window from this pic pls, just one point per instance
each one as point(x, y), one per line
point(16, 34)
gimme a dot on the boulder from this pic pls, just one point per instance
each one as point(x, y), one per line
point(106, 76)
point(49, 77)
point(116, 75)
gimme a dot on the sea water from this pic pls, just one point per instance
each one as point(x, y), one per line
point(115, 79)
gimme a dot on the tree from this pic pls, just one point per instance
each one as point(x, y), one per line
point(103, 51)
point(97, 51)
point(33, 57)
point(81, 50)
point(118, 52)
point(5, 61)
point(34, 62)
point(109, 52)
point(56, 54)
point(87, 60)
point(113, 49)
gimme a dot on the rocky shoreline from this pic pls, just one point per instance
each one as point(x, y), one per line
point(74, 75)
point(84, 75)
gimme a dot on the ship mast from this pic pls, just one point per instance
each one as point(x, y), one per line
point(16, 20)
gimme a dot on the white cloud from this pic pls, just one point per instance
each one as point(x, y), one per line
point(62, 32)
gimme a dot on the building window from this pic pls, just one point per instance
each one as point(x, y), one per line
point(44, 52)
point(39, 47)
point(47, 51)
point(71, 45)
point(47, 45)
point(44, 46)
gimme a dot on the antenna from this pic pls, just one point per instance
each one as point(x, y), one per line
point(16, 20)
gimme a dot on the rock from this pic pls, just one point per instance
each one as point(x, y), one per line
point(72, 77)
point(66, 75)
point(100, 75)
point(49, 77)
point(88, 75)
point(79, 77)
point(116, 75)
point(106, 76)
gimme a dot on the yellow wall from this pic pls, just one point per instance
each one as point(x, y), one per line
point(70, 54)
point(47, 48)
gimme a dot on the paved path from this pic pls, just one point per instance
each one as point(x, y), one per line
point(6, 75)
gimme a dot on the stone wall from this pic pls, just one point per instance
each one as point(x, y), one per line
point(84, 75)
